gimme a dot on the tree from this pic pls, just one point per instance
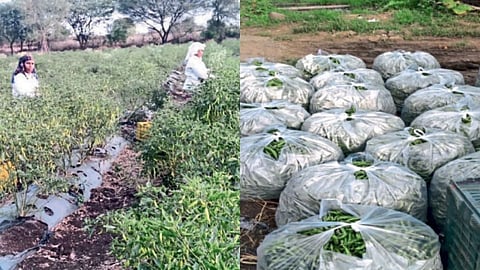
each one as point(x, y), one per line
point(160, 15)
point(12, 27)
point(119, 30)
point(84, 15)
point(44, 17)
point(186, 31)
point(224, 11)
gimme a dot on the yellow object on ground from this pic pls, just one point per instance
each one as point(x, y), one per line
point(142, 130)
point(5, 169)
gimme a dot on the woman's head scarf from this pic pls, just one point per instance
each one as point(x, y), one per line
point(193, 49)
point(21, 66)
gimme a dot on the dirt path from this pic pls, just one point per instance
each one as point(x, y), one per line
point(278, 44)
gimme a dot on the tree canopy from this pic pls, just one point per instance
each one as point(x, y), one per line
point(84, 15)
point(160, 15)
point(12, 26)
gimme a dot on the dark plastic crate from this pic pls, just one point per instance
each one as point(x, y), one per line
point(462, 237)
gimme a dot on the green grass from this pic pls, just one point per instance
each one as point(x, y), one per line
point(351, 3)
point(419, 17)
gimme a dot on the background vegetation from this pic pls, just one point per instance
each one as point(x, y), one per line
point(409, 17)
point(37, 23)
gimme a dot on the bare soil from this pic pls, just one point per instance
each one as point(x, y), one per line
point(69, 245)
point(279, 44)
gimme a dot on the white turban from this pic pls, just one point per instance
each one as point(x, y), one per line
point(193, 49)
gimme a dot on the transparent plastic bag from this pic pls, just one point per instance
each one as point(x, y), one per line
point(351, 128)
point(408, 81)
point(359, 179)
point(392, 240)
point(391, 63)
point(255, 117)
point(423, 150)
point(458, 170)
point(260, 67)
point(264, 174)
point(312, 65)
point(278, 87)
point(359, 75)
point(462, 118)
point(364, 96)
point(436, 96)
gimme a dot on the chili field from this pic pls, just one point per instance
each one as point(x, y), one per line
point(187, 211)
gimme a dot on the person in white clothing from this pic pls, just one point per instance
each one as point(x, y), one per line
point(25, 79)
point(196, 71)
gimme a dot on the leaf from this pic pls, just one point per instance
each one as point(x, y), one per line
point(462, 9)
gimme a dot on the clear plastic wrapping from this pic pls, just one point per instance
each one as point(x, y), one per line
point(423, 150)
point(462, 117)
point(312, 65)
point(391, 240)
point(255, 117)
point(351, 128)
point(408, 81)
point(254, 89)
point(391, 63)
point(359, 75)
point(436, 96)
point(359, 179)
point(458, 170)
point(364, 96)
point(260, 67)
point(264, 174)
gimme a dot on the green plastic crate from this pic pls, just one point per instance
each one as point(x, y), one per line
point(462, 237)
